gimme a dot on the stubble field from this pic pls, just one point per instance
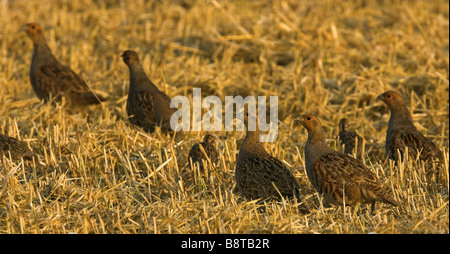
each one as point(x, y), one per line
point(95, 173)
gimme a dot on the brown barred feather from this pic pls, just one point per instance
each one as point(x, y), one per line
point(348, 139)
point(140, 110)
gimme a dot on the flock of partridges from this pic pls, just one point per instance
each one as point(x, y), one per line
point(339, 177)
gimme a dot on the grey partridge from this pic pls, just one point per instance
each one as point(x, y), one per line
point(402, 133)
point(337, 176)
point(17, 148)
point(350, 139)
point(147, 106)
point(260, 175)
point(203, 151)
point(49, 78)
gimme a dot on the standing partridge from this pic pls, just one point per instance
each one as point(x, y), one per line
point(337, 176)
point(260, 175)
point(51, 79)
point(203, 151)
point(15, 147)
point(147, 106)
point(402, 133)
point(350, 139)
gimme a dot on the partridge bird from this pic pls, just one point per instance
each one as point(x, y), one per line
point(147, 106)
point(349, 139)
point(337, 176)
point(15, 147)
point(402, 133)
point(260, 175)
point(49, 78)
point(197, 155)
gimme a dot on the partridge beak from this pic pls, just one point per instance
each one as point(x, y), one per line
point(300, 119)
point(380, 97)
point(239, 117)
point(23, 28)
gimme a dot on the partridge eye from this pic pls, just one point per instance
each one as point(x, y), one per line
point(33, 27)
point(308, 118)
point(389, 96)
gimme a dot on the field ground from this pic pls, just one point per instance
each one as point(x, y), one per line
point(96, 173)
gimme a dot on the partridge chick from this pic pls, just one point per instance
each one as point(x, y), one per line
point(197, 155)
point(15, 147)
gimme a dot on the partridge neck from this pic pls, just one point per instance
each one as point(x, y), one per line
point(252, 144)
point(42, 53)
point(316, 145)
point(138, 79)
point(400, 117)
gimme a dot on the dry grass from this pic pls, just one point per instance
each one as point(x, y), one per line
point(98, 174)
